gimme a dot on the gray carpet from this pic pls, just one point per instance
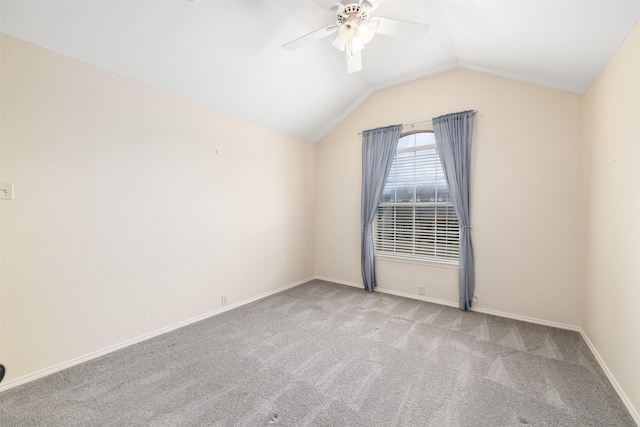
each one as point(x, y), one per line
point(323, 354)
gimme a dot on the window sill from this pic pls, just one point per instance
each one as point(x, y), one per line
point(432, 263)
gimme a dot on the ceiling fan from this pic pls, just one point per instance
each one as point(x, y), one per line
point(355, 29)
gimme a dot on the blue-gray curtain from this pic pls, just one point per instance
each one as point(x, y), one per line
point(378, 148)
point(453, 138)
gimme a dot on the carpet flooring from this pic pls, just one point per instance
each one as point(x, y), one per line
point(323, 354)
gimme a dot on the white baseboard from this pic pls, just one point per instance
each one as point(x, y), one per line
point(389, 291)
point(59, 367)
point(455, 305)
point(340, 282)
point(526, 319)
point(627, 402)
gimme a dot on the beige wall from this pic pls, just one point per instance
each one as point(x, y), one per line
point(135, 209)
point(611, 291)
point(526, 194)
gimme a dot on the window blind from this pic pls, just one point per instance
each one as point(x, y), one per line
point(416, 218)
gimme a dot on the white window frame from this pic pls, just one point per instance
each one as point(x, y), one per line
point(444, 233)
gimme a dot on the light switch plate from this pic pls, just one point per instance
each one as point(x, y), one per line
point(7, 191)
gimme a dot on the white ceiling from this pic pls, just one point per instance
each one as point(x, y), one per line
point(228, 54)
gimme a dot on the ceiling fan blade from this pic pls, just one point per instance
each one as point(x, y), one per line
point(366, 6)
point(396, 27)
point(369, 5)
point(338, 8)
point(311, 37)
point(354, 59)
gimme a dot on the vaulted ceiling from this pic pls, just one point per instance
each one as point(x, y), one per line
point(228, 54)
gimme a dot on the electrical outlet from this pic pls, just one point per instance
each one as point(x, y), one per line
point(421, 290)
point(7, 191)
point(224, 300)
point(474, 299)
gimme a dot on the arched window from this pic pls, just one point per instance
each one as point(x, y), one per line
point(416, 218)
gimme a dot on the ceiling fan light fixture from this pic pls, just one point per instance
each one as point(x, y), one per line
point(339, 43)
point(349, 29)
point(353, 32)
point(366, 33)
point(357, 43)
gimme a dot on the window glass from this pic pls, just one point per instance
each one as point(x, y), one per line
point(424, 138)
point(407, 142)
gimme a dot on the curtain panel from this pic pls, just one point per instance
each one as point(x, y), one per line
point(453, 134)
point(378, 148)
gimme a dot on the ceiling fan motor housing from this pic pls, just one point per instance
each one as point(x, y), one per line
point(352, 10)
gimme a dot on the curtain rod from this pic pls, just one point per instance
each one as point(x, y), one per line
point(420, 123)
